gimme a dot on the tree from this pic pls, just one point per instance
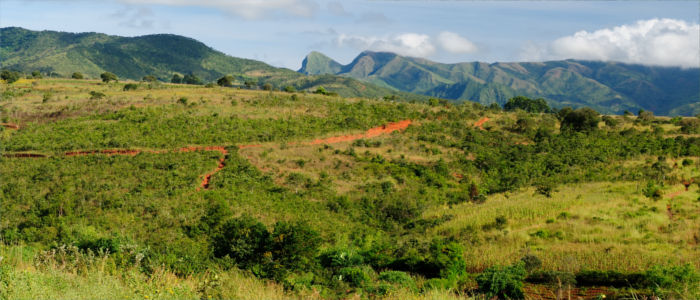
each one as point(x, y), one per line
point(645, 116)
point(225, 81)
point(36, 75)
point(289, 89)
point(321, 90)
point(77, 75)
point(107, 77)
point(9, 76)
point(581, 120)
point(149, 78)
point(191, 79)
point(529, 105)
point(176, 79)
point(267, 87)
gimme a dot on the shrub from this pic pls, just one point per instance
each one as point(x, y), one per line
point(107, 77)
point(130, 87)
point(652, 191)
point(96, 95)
point(244, 240)
point(294, 245)
point(502, 282)
point(538, 105)
point(355, 276)
point(225, 81)
point(176, 79)
point(340, 258)
point(289, 89)
point(149, 78)
point(182, 100)
point(447, 259)
point(531, 262)
point(77, 75)
point(398, 278)
point(191, 79)
point(580, 120)
point(9, 76)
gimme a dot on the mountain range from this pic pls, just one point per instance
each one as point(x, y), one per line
point(160, 55)
point(608, 87)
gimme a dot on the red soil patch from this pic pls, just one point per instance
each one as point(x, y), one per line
point(536, 291)
point(373, 132)
point(207, 177)
point(370, 133)
point(10, 125)
point(481, 122)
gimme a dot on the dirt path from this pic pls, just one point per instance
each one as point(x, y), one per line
point(370, 133)
point(481, 122)
point(206, 178)
point(10, 125)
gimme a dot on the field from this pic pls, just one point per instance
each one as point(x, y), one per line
point(181, 191)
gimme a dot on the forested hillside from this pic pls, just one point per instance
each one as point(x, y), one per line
point(608, 87)
point(162, 191)
point(61, 54)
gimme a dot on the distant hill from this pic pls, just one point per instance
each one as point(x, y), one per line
point(608, 87)
point(161, 55)
point(317, 63)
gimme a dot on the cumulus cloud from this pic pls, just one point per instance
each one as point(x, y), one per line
point(664, 42)
point(409, 44)
point(249, 9)
point(454, 43)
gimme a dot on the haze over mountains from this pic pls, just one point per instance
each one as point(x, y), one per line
point(605, 86)
point(608, 87)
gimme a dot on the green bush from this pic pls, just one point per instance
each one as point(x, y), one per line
point(399, 278)
point(107, 77)
point(504, 282)
point(130, 87)
point(355, 276)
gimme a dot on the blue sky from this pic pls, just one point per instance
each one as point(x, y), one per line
point(282, 32)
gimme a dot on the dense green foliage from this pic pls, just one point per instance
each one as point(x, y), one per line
point(373, 216)
point(608, 87)
point(527, 104)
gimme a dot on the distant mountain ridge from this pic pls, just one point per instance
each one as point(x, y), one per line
point(161, 55)
point(608, 87)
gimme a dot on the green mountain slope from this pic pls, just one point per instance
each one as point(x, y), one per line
point(316, 63)
point(161, 55)
point(606, 86)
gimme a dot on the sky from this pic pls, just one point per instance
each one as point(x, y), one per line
point(282, 32)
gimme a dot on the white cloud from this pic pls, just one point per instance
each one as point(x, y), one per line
point(454, 43)
point(249, 9)
point(409, 44)
point(664, 42)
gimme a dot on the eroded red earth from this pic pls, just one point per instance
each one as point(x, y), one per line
point(372, 132)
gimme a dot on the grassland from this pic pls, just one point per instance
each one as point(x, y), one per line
point(136, 226)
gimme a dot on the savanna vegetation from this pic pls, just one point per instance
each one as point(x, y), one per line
point(101, 196)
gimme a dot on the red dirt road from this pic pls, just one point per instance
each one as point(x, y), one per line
point(481, 122)
point(10, 125)
point(370, 133)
